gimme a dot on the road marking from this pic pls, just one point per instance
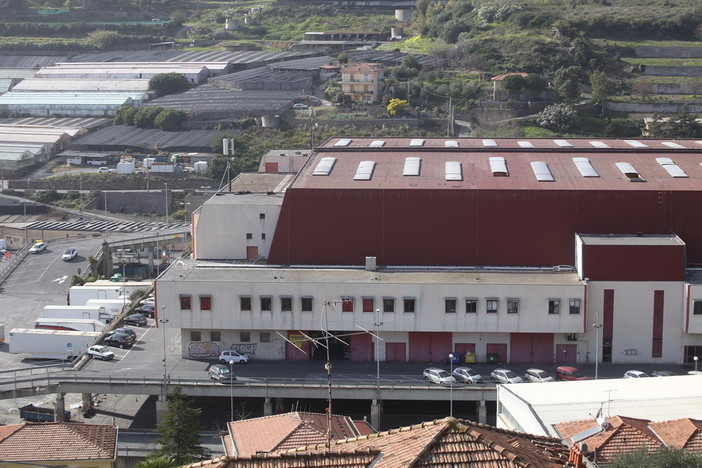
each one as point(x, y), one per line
point(60, 280)
point(47, 268)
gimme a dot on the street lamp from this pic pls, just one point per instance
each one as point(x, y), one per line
point(166, 202)
point(231, 390)
point(163, 321)
point(451, 387)
point(695, 359)
point(597, 325)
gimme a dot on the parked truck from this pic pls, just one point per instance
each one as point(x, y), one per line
point(50, 344)
point(79, 295)
point(93, 312)
point(112, 307)
point(70, 324)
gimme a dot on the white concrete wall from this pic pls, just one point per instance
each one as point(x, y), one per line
point(694, 325)
point(515, 414)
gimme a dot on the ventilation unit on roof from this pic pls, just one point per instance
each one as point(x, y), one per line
point(365, 170)
point(453, 170)
point(525, 144)
point(498, 166)
point(416, 142)
point(599, 144)
point(324, 166)
point(673, 169)
point(541, 171)
point(451, 143)
point(585, 167)
point(563, 143)
point(377, 143)
point(630, 171)
point(344, 142)
point(412, 166)
point(489, 143)
point(672, 144)
point(636, 144)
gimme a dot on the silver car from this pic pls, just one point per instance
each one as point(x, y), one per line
point(438, 376)
point(537, 375)
point(505, 376)
point(220, 372)
point(467, 375)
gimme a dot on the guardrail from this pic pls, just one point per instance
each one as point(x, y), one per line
point(15, 260)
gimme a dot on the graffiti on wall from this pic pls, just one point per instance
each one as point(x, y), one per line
point(210, 349)
point(244, 348)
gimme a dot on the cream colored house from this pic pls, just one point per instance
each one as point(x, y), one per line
point(362, 81)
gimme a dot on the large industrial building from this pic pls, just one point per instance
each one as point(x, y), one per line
point(504, 250)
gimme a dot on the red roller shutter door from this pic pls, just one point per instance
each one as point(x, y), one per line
point(361, 347)
point(294, 352)
point(530, 348)
point(429, 346)
point(395, 352)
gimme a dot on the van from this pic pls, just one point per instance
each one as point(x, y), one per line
point(569, 373)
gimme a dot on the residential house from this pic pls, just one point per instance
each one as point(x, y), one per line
point(363, 82)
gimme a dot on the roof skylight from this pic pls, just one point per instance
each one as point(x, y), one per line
point(324, 166)
point(541, 171)
point(365, 170)
point(412, 166)
point(585, 167)
point(453, 170)
point(498, 166)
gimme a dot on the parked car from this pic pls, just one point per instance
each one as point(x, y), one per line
point(119, 340)
point(466, 375)
point(505, 376)
point(135, 319)
point(101, 352)
point(300, 105)
point(537, 375)
point(126, 331)
point(149, 300)
point(221, 372)
point(69, 254)
point(438, 376)
point(146, 309)
point(103, 170)
point(229, 355)
point(662, 373)
point(37, 247)
point(568, 373)
point(634, 374)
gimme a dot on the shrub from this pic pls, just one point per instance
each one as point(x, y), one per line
point(559, 117)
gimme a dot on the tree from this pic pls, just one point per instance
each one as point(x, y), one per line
point(664, 458)
point(398, 107)
point(169, 119)
point(513, 84)
point(101, 39)
point(566, 82)
point(156, 462)
point(602, 88)
point(168, 83)
point(560, 117)
point(180, 431)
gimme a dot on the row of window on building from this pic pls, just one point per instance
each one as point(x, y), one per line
point(244, 336)
point(452, 305)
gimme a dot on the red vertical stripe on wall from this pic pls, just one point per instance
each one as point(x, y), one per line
point(657, 345)
point(607, 325)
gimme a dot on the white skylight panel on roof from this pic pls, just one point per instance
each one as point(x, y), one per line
point(630, 171)
point(636, 144)
point(541, 171)
point(344, 142)
point(324, 166)
point(585, 167)
point(451, 143)
point(525, 144)
point(453, 170)
point(672, 144)
point(416, 142)
point(563, 143)
point(599, 144)
point(673, 169)
point(489, 143)
point(377, 143)
point(498, 166)
point(412, 166)
point(365, 170)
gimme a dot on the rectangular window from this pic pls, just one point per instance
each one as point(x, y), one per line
point(512, 306)
point(697, 307)
point(554, 306)
point(185, 302)
point(388, 304)
point(249, 236)
point(409, 304)
point(347, 304)
point(368, 304)
point(195, 335)
point(286, 304)
point(245, 337)
point(205, 302)
point(471, 306)
point(574, 306)
point(262, 216)
point(265, 337)
point(266, 303)
point(450, 306)
point(215, 336)
point(491, 306)
point(263, 236)
point(306, 304)
point(245, 303)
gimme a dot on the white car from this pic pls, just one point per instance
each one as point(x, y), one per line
point(505, 376)
point(537, 375)
point(104, 170)
point(438, 376)
point(229, 355)
point(634, 374)
point(467, 375)
point(101, 352)
point(300, 105)
point(37, 247)
point(69, 254)
point(151, 300)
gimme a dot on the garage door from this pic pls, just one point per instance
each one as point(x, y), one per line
point(429, 346)
point(531, 348)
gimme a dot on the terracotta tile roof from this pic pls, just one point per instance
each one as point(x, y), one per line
point(362, 67)
point(6, 431)
point(505, 75)
point(331, 459)
point(59, 442)
point(679, 434)
point(286, 431)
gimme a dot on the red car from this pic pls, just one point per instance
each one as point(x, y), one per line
point(569, 373)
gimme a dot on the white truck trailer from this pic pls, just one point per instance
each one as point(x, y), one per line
point(69, 324)
point(112, 306)
point(79, 295)
point(50, 344)
point(92, 312)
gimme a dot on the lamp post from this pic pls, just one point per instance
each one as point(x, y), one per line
point(377, 325)
point(163, 321)
point(231, 390)
point(451, 387)
point(597, 325)
point(695, 359)
point(166, 202)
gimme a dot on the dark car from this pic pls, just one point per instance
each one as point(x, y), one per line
point(135, 319)
point(146, 309)
point(119, 340)
point(126, 331)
